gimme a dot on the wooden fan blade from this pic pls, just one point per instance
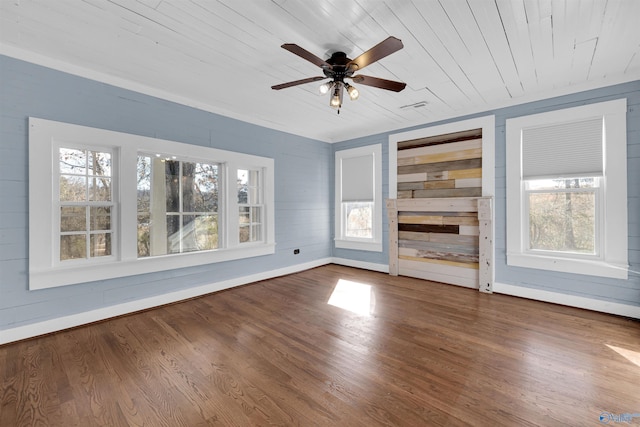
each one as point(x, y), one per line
point(297, 82)
point(379, 83)
point(305, 54)
point(379, 51)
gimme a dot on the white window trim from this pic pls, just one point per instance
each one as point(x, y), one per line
point(613, 262)
point(45, 272)
point(374, 244)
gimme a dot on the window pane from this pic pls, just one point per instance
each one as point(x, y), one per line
point(100, 244)
point(359, 220)
point(144, 236)
point(73, 247)
point(173, 234)
point(562, 221)
point(249, 191)
point(100, 189)
point(204, 187)
point(72, 161)
point(73, 218)
point(244, 215)
point(243, 185)
point(199, 233)
point(245, 233)
point(99, 163)
point(100, 218)
point(189, 233)
point(561, 184)
point(206, 229)
point(255, 214)
point(172, 181)
point(73, 188)
point(255, 233)
point(254, 195)
point(190, 195)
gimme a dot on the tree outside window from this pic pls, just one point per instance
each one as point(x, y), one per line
point(177, 206)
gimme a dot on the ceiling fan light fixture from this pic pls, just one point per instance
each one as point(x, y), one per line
point(352, 91)
point(336, 98)
point(324, 88)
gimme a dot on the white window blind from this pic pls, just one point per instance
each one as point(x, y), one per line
point(357, 179)
point(563, 150)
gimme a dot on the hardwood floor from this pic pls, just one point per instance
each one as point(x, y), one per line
point(276, 352)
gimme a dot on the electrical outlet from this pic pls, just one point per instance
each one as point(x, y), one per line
point(296, 251)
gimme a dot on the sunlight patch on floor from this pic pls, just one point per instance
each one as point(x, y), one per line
point(630, 355)
point(353, 296)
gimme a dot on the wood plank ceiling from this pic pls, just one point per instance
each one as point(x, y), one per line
point(223, 56)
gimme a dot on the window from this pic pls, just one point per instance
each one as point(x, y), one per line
point(250, 206)
point(85, 204)
point(125, 204)
point(567, 190)
point(359, 198)
point(177, 205)
point(562, 215)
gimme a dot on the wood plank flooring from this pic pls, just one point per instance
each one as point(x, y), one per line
point(276, 353)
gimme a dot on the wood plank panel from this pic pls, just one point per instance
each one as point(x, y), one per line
point(405, 186)
point(416, 254)
point(440, 139)
point(438, 237)
point(445, 271)
point(462, 204)
point(442, 157)
point(412, 177)
point(392, 216)
point(452, 192)
point(468, 182)
point(443, 166)
point(428, 228)
point(441, 148)
point(446, 246)
point(412, 255)
point(460, 220)
point(485, 262)
point(465, 173)
point(421, 219)
point(469, 230)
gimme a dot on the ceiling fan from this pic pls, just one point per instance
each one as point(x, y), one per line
point(338, 67)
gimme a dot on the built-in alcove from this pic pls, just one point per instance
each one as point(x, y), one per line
point(448, 240)
point(440, 205)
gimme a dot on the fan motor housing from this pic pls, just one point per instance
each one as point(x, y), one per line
point(338, 61)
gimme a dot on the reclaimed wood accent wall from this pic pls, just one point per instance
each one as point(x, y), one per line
point(441, 166)
point(444, 242)
point(447, 257)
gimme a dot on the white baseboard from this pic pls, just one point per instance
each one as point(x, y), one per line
point(383, 268)
point(569, 300)
point(60, 323)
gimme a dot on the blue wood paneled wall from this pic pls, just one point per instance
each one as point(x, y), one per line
point(302, 180)
point(620, 291)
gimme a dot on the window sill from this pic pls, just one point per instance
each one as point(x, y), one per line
point(569, 265)
point(62, 276)
point(358, 246)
